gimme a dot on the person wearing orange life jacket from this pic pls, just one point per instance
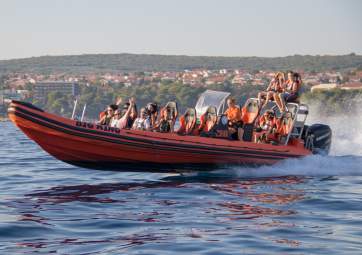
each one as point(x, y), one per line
point(187, 122)
point(267, 127)
point(233, 113)
point(275, 86)
point(284, 125)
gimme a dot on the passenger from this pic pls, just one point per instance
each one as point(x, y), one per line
point(152, 112)
point(234, 116)
point(275, 86)
point(267, 127)
point(133, 114)
point(284, 125)
point(171, 113)
point(120, 120)
point(165, 124)
point(116, 118)
point(187, 122)
point(207, 125)
point(107, 115)
point(290, 91)
point(142, 122)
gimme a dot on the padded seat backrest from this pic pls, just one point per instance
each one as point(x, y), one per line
point(250, 111)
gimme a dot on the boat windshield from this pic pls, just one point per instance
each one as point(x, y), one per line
point(211, 98)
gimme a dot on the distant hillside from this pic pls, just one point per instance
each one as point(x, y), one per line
point(138, 62)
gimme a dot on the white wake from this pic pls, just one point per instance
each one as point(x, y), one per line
point(345, 158)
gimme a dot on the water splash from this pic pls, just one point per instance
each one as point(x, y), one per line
point(309, 166)
point(346, 128)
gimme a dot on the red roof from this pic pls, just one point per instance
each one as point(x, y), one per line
point(354, 85)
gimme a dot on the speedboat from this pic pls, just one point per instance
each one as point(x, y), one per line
point(96, 146)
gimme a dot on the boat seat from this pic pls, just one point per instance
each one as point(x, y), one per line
point(250, 111)
point(284, 127)
point(187, 122)
point(221, 127)
point(248, 132)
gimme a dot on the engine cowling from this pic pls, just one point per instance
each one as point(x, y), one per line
point(318, 138)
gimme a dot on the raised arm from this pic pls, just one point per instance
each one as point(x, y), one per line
point(133, 112)
point(130, 107)
point(270, 85)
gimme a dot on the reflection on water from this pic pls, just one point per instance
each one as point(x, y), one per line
point(47, 207)
point(159, 202)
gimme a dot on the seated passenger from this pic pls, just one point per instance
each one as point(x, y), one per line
point(152, 112)
point(104, 117)
point(207, 124)
point(187, 122)
point(120, 120)
point(171, 110)
point(290, 92)
point(115, 119)
point(165, 123)
point(107, 115)
point(142, 122)
point(267, 127)
point(275, 86)
point(234, 116)
point(284, 126)
point(133, 114)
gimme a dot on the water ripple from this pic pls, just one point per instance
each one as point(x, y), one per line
point(306, 206)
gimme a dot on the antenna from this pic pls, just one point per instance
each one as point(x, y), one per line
point(84, 108)
point(74, 108)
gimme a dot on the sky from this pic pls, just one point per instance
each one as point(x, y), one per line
point(266, 28)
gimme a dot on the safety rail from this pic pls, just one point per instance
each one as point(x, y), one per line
point(299, 116)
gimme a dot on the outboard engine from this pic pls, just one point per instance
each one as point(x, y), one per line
point(318, 138)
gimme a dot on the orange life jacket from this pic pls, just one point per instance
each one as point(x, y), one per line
point(186, 127)
point(263, 121)
point(206, 124)
point(102, 114)
point(283, 127)
point(248, 117)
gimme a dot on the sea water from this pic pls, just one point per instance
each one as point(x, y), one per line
point(300, 206)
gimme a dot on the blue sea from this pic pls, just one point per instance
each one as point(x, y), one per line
point(306, 206)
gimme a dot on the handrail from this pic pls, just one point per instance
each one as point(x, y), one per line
point(294, 119)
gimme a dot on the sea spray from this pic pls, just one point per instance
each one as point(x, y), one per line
point(345, 157)
point(346, 127)
point(314, 165)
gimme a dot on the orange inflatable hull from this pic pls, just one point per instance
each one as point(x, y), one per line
point(95, 146)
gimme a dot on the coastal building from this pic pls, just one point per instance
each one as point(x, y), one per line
point(324, 86)
point(352, 86)
point(41, 89)
point(238, 80)
point(11, 94)
point(344, 86)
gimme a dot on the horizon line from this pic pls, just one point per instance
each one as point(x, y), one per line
point(179, 55)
